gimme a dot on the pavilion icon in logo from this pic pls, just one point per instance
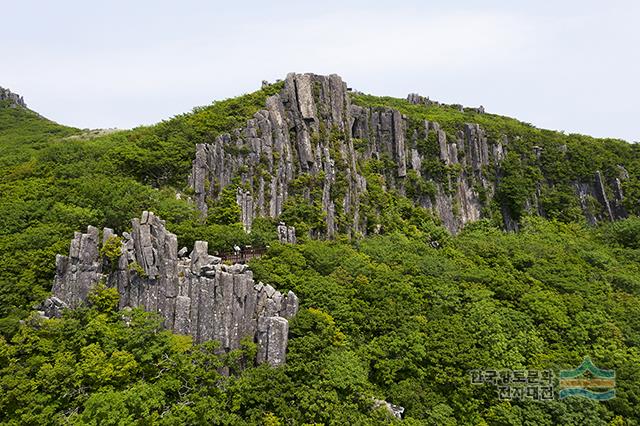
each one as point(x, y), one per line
point(588, 381)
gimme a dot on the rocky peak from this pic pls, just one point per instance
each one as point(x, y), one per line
point(13, 98)
point(302, 145)
point(309, 129)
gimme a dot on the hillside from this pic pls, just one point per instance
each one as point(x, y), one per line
point(406, 274)
point(347, 155)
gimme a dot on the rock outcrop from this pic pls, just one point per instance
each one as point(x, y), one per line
point(417, 99)
point(13, 98)
point(282, 142)
point(310, 141)
point(310, 129)
point(195, 294)
point(594, 193)
point(286, 234)
point(393, 410)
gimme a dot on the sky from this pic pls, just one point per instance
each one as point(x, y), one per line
point(564, 65)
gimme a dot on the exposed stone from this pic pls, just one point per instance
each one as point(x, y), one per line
point(623, 173)
point(310, 129)
point(305, 96)
point(602, 194)
point(289, 137)
point(293, 123)
point(245, 201)
point(617, 207)
point(197, 180)
point(416, 99)
point(290, 305)
point(81, 269)
point(13, 98)
point(395, 410)
point(286, 234)
point(596, 204)
point(196, 294)
point(476, 146)
point(272, 332)
point(52, 307)
point(537, 150)
point(398, 143)
point(584, 193)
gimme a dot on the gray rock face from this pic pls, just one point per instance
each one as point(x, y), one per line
point(311, 129)
point(291, 137)
point(77, 273)
point(602, 194)
point(195, 294)
point(272, 333)
point(417, 99)
point(596, 204)
point(456, 201)
point(394, 410)
point(13, 98)
point(245, 201)
point(286, 234)
point(53, 307)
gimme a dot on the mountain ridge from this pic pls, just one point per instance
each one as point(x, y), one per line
point(455, 189)
point(316, 108)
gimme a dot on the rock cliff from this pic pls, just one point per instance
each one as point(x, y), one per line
point(195, 294)
point(311, 128)
point(13, 98)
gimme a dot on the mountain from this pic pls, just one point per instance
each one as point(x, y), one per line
point(318, 144)
point(433, 242)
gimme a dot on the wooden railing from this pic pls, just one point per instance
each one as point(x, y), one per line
point(243, 256)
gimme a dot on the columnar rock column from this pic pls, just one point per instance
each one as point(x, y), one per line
point(195, 294)
point(286, 234)
point(311, 142)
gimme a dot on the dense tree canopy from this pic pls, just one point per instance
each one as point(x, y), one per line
point(388, 317)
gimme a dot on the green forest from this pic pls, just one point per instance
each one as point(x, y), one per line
point(402, 316)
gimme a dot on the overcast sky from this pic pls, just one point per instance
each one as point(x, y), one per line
point(565, 65)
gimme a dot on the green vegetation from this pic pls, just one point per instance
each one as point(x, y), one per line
point(418, 318)
point(225, 211)
point(388, 316)
point(56, 180)
point(112, 248)
point(564, 159)
point(402, 316)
